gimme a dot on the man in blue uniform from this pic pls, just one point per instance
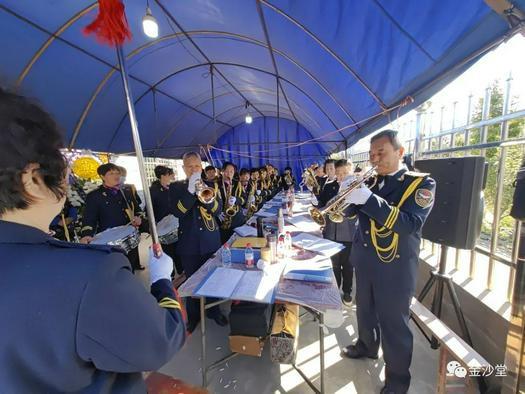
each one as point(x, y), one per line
point(163, 206)
point(199, 236)
point(385, 254)
point(110, 206)
point(74, 319)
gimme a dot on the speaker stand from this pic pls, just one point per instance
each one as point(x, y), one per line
point(440, 279)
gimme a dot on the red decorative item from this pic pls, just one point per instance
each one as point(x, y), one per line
point(110, 26)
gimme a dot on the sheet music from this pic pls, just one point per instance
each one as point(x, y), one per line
point(256, 286)
point(221, 283)
point(303, 222)
point(317, 244)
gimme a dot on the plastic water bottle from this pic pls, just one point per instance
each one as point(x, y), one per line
point(280, 222)
point(249, 261)
point(226, 256)
point(280, 247)
point(288, 243)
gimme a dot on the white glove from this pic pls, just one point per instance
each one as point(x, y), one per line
point(251, 199)
point(222, 215)
point(193, 181)
point(159, 268)
point(258, 192)
point(358, 196)
point(244, 212)
point(346, 182)
point(232, 201)
point(314, 200)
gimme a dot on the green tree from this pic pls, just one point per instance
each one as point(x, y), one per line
point(513, 157)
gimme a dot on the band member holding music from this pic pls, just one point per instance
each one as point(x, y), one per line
point(111, 206)
point(342, 233)
point(385, 254)
point(73, 316)
point(162, 203)
point(198, 207)
point(287, 180)
point(231, 196)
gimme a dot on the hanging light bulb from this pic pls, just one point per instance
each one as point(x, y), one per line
point(248, 119)
point(149, 24)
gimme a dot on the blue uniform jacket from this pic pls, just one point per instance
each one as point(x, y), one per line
point(198, 226)
point(106, 209)
point(75, 319)
point(161, 199)
point(391, 221)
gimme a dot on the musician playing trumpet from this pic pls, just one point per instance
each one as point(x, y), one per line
point(385, 253)
point(198, 207)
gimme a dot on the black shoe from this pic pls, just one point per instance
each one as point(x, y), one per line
point(221, 320)
point(140, 268)
point(191, 326)
point(353, 351)
point(347, 298)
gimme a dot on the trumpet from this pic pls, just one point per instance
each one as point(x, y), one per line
point(335, 206)
point(310, 180)
point(204, 193)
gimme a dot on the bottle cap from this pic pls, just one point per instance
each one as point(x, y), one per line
point(248, 245)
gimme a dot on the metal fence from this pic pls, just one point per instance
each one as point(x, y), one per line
point(492, 261)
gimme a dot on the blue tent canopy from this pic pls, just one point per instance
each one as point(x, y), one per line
point(332, 70)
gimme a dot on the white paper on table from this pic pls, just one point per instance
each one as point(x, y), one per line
point(317, 244)
point(246, 231)
point(259, 286)
point(303, 222)
point(220, 283)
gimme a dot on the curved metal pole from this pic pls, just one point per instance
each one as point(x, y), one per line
point(243, 38)
point(233, 65)
point(157, 249)
point(328, 50)
point(50, 40)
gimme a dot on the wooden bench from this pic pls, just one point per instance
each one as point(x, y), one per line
point(452, 348)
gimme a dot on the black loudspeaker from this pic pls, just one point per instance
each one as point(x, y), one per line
point(456, 217)
point(518, 201)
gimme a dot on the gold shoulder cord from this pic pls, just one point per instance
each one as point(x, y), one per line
point(209, 222)
point(387, 254)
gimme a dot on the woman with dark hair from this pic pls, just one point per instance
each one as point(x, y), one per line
point(74, 319)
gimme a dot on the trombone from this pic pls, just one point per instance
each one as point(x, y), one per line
point(335, 207)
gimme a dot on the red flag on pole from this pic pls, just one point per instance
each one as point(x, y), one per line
point(110, 26)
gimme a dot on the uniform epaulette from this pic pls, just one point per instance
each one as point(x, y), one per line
point(74, 245)
point(416, 174)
